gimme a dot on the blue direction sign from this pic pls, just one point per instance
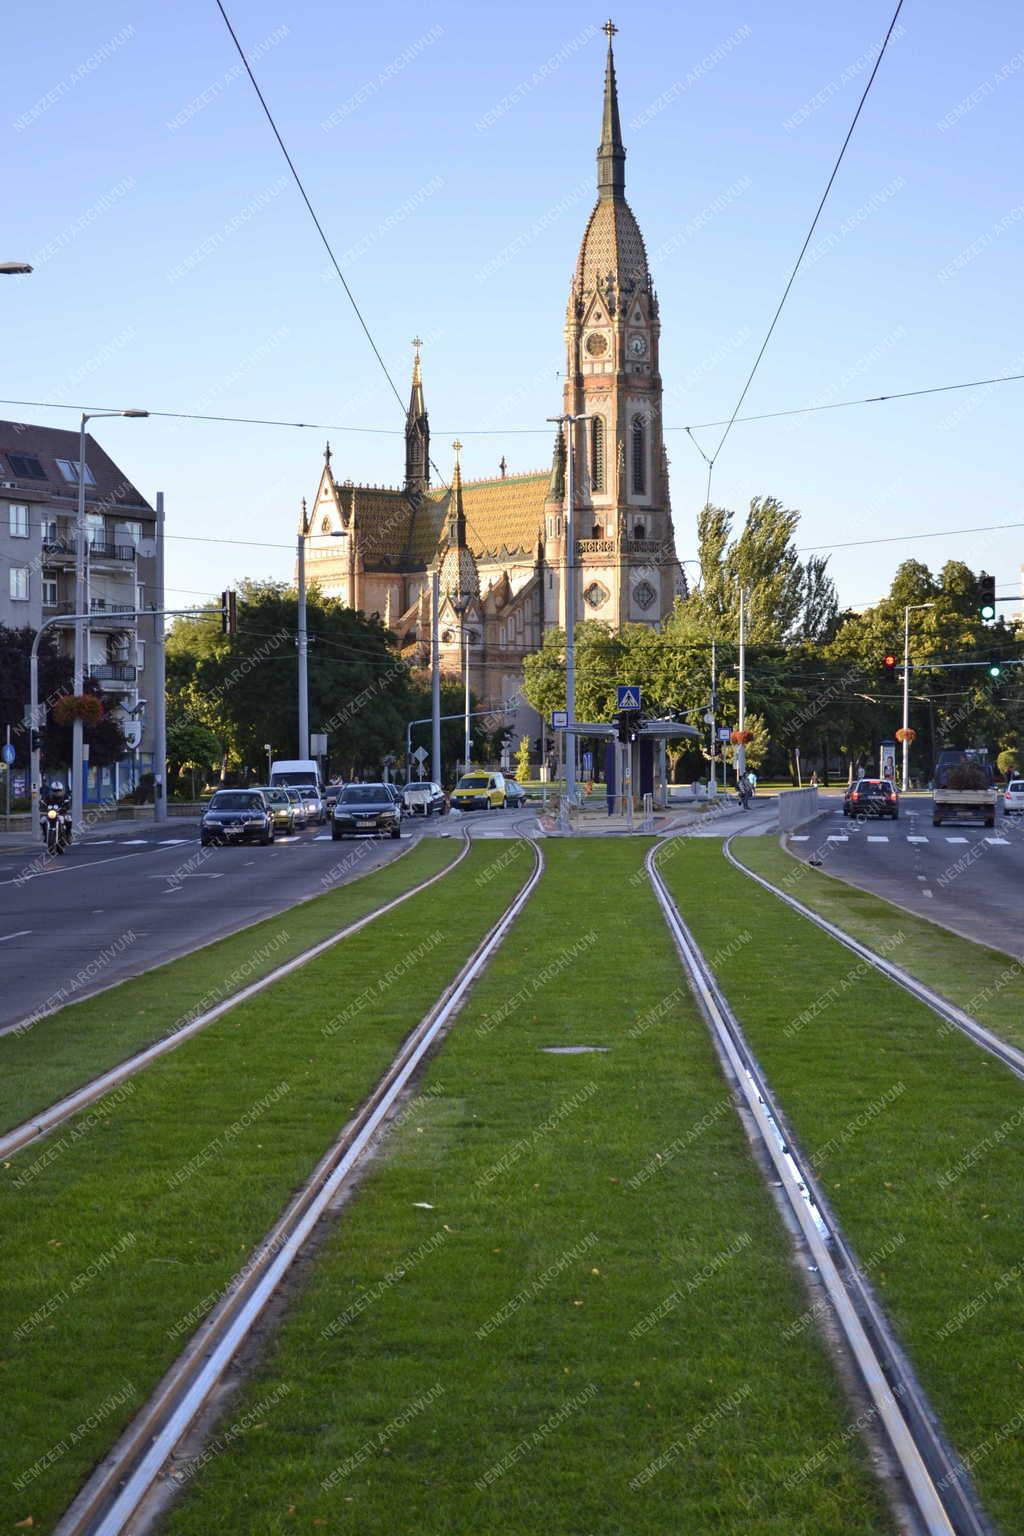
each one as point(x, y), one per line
point(8, 754)
point(629, 696)
point(559, 719)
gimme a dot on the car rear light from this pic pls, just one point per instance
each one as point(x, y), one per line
point(855, 796)
point(890, 797)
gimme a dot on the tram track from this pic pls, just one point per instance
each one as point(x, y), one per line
point(935, 1482)
point(115, 1494)
point(46, 1120)
point(1009, 1055)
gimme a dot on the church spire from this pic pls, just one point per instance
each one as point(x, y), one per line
point(417, 431)
point(456, 511)
point(460, 579)
point(611, 156)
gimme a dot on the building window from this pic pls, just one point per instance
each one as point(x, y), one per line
point(19, 583)
point(597, 454)
point(595, 532)
point(25, 466)
point(94, 529)
point(18, 521)
point(140, 653)
point(69, 469)
point(129, 533)
point(639, 531)
point(49, 589)
point(639, 446)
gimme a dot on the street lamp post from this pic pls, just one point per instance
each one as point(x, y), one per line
point(82, 607)
point(569, 422)
point(907, 611)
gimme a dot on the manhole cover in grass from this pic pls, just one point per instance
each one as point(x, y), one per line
point(571, 1050)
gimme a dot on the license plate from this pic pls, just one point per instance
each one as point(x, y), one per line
point(366, 821)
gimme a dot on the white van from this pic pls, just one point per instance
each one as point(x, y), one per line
point(295, 771)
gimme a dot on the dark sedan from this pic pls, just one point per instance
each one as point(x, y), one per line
point(237, 816)
point(515, 794)
point(871, 797)
point(366, 810)
point(421, 797)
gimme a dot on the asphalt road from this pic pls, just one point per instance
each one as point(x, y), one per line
point(115, 906)
point(969, 878)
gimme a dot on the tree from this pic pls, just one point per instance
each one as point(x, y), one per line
point(193, 748)
point(523, 760)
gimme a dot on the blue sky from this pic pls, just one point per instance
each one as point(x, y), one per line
point(449, 149)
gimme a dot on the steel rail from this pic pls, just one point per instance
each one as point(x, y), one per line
point(1008, 1054)
point(46, 1120)
point(937, 1484)
point(114, 1492)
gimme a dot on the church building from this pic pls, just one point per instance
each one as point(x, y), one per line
point(500, 544)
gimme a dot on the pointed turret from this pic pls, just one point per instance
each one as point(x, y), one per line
point(417, 431)
point(611, 156)
point(460, 579)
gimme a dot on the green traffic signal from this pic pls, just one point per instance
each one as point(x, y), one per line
point(995, 670)
point(987, 596)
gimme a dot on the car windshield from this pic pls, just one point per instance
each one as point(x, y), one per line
point(235, 800)
point(364, 794)
point(1017, 787)
point(296, 776)
point(275, 796)
point(474, 781)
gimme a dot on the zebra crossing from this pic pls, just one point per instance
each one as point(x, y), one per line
point(844, 837)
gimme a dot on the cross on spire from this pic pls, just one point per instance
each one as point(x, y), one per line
point(416, 342)
point(609, 29)
point(457, 446)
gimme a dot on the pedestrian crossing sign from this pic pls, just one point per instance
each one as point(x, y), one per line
point(629, 696)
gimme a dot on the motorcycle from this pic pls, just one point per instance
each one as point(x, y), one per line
point(56, 830)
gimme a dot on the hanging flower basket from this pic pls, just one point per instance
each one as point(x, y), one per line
point(906, 733)
point(740, 738)
point(78, 706)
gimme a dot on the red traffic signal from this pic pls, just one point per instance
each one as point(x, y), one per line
point(889, 662)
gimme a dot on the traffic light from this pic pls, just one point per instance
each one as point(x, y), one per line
point(33, 741)
point(629, 722)
point(889, 664)
point(987, 596)
point(228, 613)
point(995, 670)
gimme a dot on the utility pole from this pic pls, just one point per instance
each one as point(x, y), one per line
point(741, 750)
point(907, 611)
point(159, 676)
point(435, 672)
point(303, 653)
point(714, 701)
point(465, 649)
point(569, 421)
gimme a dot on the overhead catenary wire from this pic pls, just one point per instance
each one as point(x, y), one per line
point(803, 250)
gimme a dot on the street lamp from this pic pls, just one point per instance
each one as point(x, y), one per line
point(82, 607)
point(303, 640)
point(569, 421)
point(907, 611)
point(461, 606)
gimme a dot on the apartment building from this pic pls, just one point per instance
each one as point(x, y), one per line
point(39, 487)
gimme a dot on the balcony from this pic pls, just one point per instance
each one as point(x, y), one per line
point(99, 549)
point(114, 674)
point(104, 613)
point(58, 545)
point(622, 546)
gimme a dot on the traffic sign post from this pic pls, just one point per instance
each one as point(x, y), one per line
point(559, 719)
point(628, 696)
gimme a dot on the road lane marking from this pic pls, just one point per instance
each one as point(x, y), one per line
point(171, 842)
point(19, 935)
point(1005, 841)
point(838, 837)
point(51, 870)
point(191, 874)
point(926, 893)
point(134, 842)
point(956, 839)
point(804, 837)
point(322, 837)
point(878, 839)
point(918, 839)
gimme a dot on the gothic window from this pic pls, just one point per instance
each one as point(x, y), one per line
point(595, 532)
point(638, 437)
point(325, 526)
point(597, 454)
point(644, 594)
point(639, 531)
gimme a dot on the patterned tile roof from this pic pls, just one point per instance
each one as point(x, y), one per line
point(612, 242)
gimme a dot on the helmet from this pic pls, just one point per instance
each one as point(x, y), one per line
point(56, 787)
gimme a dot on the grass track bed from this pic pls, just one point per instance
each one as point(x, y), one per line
point(915, 1133)
point(67, 1048)
point(524, 1308)
point(986, 983)
point(122, 1228)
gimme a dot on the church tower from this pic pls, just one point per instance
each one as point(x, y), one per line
point(627, 568)
point(417, 432)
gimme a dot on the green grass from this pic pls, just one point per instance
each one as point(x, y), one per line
point(475, 1350)
point(915, 1133)
point(65, 1049)
point(985, 982)
point(121, 1229)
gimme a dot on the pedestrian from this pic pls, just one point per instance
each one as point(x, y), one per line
point(752, 776)
point(744, 792)
point(814, 781)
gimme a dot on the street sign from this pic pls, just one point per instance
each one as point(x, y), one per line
point(709, 719)
point(559, 719)
point(724, 733)
point(628, 696)
point(588, 765)
point(36, 721)
point(9, 754)
point(133, 733)
point(420, 755)
point(318, 744)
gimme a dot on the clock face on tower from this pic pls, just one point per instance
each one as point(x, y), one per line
point(597, 345)
point(638, 346)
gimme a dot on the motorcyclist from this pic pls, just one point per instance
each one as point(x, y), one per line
point(55, 796)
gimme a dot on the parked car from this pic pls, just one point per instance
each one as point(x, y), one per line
point(1013, 798)
point(871, 797)
point(479, 791)
point(300, 813)
point(515, 793)
point(281, 807)
point(366, 809)
point(316, 810)
point(237, 816)
point(423, 798)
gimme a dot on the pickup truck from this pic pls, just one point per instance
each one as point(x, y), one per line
point(964, 788)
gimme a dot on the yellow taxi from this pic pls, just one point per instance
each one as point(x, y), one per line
point(479, 791)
